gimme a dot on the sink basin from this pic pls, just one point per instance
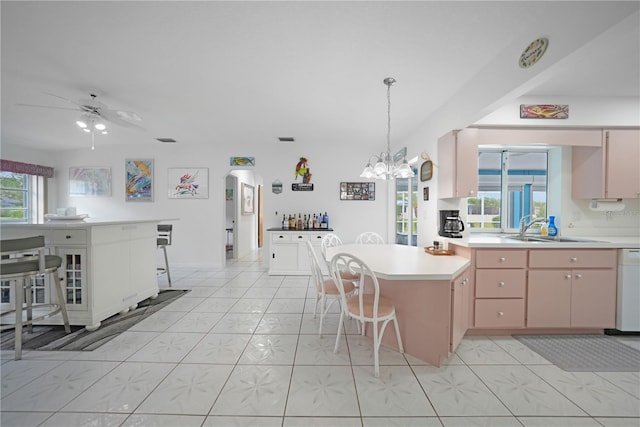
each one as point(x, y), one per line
point(527, 238)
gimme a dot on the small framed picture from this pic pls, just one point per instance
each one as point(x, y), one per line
point(90, 181)
point(426, 171)
point(247, 199)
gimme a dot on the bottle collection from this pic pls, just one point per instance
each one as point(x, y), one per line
point(305, 222)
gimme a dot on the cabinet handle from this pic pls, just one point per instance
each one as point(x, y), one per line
point(573, 259)
point(502, 259)
point(501, 284)
point(500, 313)
point(567, 276)
point(578, 276)
point(67, 236)
point(299, 237)
point(273, 255)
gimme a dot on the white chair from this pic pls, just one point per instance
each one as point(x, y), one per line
point(370, 238)
point(325, 288)
point(22, 261)
point(163, 240)
point(364, 307)
point(332, 240)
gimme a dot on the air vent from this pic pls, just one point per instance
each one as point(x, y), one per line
point(286, 139)
point(166, 140)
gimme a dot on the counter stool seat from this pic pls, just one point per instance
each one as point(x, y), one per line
point(23, 260)
point(162, 241)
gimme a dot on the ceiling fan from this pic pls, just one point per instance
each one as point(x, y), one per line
point(94, 112)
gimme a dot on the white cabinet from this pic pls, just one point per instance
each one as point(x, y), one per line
point(460, 310)
point(288, 253)
point(610, 170)
point(458, 164)
point(107, 268)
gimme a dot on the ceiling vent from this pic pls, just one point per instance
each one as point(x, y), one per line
point(286, 139)
point(166, 140)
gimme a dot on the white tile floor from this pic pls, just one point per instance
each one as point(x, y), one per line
point(241, 349)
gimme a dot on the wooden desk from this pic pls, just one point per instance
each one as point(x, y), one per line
point(420, 286)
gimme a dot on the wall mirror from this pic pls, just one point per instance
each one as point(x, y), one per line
point(426, 171)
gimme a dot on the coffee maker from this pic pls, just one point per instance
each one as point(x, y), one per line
point(450, 224)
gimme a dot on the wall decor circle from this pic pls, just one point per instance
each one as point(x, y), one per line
point(533, 52)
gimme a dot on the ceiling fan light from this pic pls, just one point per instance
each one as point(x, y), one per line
point(81, 124)
point(86, 130)
point(100, 126)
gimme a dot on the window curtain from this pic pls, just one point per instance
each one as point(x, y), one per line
point(27, 168)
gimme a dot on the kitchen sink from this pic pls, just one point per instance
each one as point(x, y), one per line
point(542, 239)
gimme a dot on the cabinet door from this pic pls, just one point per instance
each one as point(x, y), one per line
point(284, 257)
point(593, 299)
point(466, 176)
point(74, 275)
point(460, 309)
point(623, 174)
point(549, 298)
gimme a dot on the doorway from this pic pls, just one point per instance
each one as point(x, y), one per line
point(243, 215)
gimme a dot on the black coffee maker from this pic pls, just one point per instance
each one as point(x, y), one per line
point(450, 224)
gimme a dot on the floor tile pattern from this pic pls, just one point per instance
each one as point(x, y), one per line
point(242, 349)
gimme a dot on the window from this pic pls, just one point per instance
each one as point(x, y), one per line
point(22, 197)
point(407, 210)
point(512, 184)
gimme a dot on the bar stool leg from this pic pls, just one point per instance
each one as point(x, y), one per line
point(166, 265)
point(61, 301)
point(29, 302)
point(19, 286)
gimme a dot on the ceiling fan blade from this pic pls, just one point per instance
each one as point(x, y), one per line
point(48, 106)
point(61, 97)
point(115, 117)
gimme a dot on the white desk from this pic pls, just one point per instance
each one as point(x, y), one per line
point(420, 286)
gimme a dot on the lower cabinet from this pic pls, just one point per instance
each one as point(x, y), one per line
point(460, 297)
point(500, 288)
point(288, 253)
point(545, 288)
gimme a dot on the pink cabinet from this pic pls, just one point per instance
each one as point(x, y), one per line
point(460, 297)
point(608, 171)
point(458, 164)
point(572, 288)
point(500, 284)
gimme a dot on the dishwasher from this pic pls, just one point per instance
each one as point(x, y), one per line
point(628, 301)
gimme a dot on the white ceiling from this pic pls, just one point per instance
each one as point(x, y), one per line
point(242, 73)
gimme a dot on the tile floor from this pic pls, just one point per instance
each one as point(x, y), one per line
point(241, 349)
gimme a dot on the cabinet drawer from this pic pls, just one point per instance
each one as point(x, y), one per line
point(316, 238)
point(69, 237)
point(502, 258)
point(500, 283)
point(299, 237)
point(572, 258)
point(502, 313)
point(281, 237)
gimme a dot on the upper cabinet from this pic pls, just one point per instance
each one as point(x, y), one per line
point(458, 164)
point(608, 171)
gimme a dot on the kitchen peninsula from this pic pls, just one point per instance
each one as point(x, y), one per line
point(108, 266)
point(426, 291)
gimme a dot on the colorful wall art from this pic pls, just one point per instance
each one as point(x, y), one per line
point(188, 183)
point(139, 180)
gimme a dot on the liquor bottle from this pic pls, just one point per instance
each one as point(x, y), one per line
point(299, 222)
point(326, 219)
point(285, 224)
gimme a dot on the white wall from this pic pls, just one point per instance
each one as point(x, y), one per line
point(199, 235)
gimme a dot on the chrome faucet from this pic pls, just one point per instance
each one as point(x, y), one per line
point(524, 226)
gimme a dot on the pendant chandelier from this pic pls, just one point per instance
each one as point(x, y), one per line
point(385, 167)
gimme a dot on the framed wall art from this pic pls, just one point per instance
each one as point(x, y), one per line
point(188, 183)
point(139, 180)
point(247, 199)
point(357, 191)
point(90, 181)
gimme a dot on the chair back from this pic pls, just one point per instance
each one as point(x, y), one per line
point(21, 250)
point(316, 272)
point(329, 241)
point(164, 234)
point(342, 262)
point(370, 238)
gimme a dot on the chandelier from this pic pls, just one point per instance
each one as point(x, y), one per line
point(385, 167)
